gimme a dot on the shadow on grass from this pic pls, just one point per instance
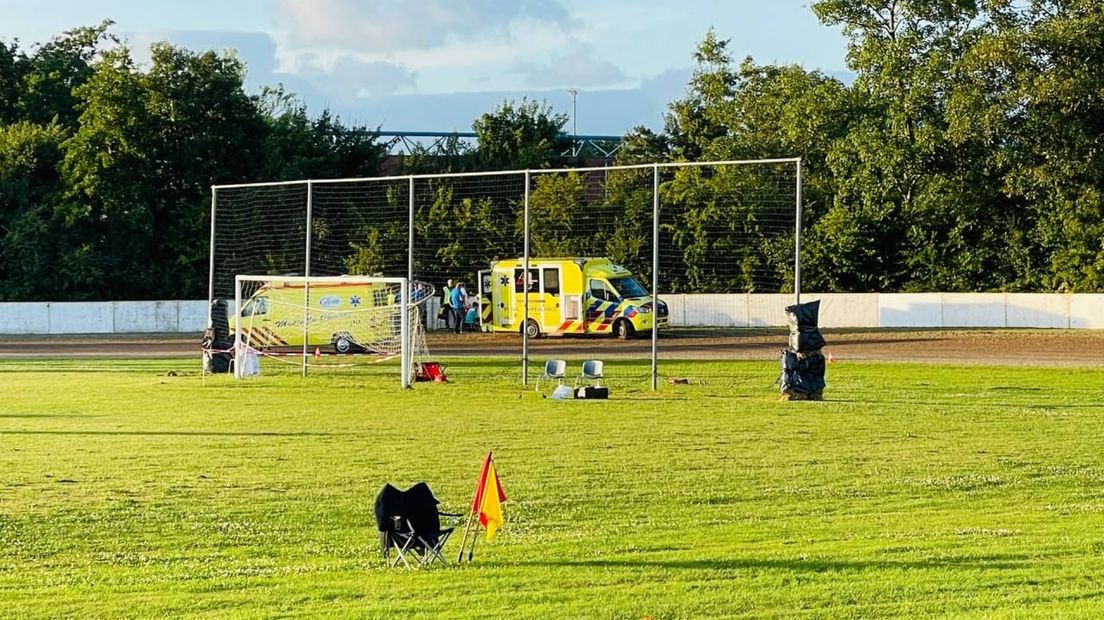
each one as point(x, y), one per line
point(960, 403)
point(183, 433)
point(46, 415)
point(998, 562)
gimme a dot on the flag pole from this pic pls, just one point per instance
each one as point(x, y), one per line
point(477, 507)
point(471, 551)
point(464, 542)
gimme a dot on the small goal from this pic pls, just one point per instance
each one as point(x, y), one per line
point(328, 322)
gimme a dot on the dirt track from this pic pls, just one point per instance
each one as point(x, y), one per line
point(1019, 347)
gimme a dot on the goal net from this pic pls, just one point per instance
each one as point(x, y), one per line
point(329, 322)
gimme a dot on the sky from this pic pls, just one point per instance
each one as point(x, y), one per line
point(436, 65)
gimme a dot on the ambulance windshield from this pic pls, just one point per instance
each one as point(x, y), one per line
point(628, 287)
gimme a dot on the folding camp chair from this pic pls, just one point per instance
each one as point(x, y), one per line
point(592, 371)
point(553, 369)
point(410, 525)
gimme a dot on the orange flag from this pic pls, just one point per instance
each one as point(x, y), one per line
point(488, 498)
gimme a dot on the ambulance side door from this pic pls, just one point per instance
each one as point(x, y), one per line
point(502, 297)
point(551, 310)
point(599, 298)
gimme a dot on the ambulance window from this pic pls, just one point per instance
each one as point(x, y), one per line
point(572, 307)
point(255, 306)
point(519, 282)
point(552, 281)
point(628, 287)
point(599, 290)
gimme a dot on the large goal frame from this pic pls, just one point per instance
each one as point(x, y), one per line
point(391, 204)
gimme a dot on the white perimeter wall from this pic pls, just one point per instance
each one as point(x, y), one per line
point(1043, 310)
point(1053, 310)
point(103, 317)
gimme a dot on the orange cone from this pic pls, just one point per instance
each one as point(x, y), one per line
point(831, 358)
point(317, 353)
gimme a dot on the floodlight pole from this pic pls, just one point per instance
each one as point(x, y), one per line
point(574, 129)
point(655, 278)
point(797, 239)
point(525, 289)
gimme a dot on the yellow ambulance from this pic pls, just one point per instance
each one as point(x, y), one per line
point(567, 296)
point(274, 316)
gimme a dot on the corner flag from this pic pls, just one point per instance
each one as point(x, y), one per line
point(488, 498)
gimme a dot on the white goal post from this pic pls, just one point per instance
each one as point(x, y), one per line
point(296, 315)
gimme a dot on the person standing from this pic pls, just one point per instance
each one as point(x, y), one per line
point(417, 296)
point(458, 298)
point(446, 304)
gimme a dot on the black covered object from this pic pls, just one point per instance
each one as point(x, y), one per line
point(803, 319)
point(216, 353)
point(803, 315)
point(592, 392)
point(802, 374)
point(220, 322)
point(416, 509)
point(806, 339)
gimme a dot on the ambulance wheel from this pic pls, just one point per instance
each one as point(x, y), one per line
point(343, 343)
point(623, 329)
point(532, 329)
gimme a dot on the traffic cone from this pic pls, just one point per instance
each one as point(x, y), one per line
point(831, 358)
point(317, 353)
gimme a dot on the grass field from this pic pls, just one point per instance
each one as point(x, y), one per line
point(915, 490)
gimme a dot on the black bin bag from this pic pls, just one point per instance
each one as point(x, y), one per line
point(803, 315)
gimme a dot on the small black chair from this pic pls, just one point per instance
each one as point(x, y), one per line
point(410, 524)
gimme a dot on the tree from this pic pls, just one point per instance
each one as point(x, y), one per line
point(32, 258)
point(1034, 86)
point(913, 210)
point(742, 112)
point(300, 147)
point(57, 69)
point(140, 166)
point(520, 136)
point(13, 66)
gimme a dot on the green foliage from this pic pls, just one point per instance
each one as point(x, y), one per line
point(300, 147)
point(56, 69)
point(556, 205)
point(914, 491)
point(107, 166)
point(30, 228)
point(518, 136)
point(965, 155)
point(13, 66)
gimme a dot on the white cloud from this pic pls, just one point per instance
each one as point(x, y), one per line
point(579, 67)
point(350, 78)
point(377, 26)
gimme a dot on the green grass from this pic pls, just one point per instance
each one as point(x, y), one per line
point(915, 490)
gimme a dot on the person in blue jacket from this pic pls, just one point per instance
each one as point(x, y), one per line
point(459, 297)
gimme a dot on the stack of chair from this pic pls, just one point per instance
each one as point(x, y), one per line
point(217, 341)
point(803, 363)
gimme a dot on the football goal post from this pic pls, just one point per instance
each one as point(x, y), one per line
point(319, 319)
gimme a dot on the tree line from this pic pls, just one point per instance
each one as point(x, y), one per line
point(965, 155)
